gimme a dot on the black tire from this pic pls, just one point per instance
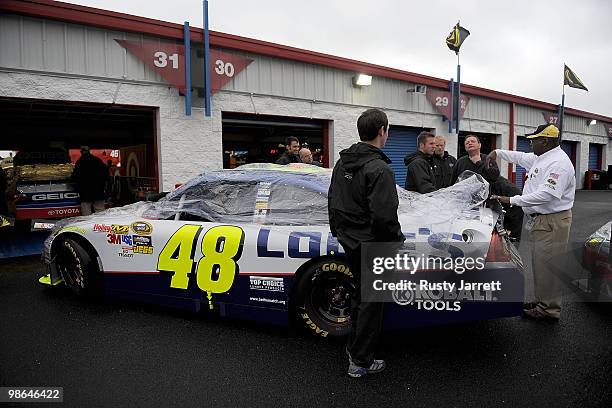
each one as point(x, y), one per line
point(77, 268)
point(322, 298)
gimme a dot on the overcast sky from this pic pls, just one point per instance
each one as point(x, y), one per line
point(516, 46)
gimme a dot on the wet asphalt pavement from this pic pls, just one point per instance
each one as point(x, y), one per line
point(114, 353)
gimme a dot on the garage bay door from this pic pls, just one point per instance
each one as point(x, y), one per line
point(401, 141)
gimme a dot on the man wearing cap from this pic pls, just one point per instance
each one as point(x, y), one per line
point(547, 200)
point(91, 175)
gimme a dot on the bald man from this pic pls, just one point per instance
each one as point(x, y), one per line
point(306, 157)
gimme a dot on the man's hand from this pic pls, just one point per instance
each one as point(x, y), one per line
point(501, 199)
point(491, 157)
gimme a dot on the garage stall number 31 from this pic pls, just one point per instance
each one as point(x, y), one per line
point(216, 269)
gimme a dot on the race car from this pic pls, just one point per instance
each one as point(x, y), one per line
point(254, 243)
point(597, 259)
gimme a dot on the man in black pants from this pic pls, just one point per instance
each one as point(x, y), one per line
point(363, 208)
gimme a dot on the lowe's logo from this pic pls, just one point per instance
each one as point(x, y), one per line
point(54, 196)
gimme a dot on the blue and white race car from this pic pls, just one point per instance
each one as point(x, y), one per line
point(254, 243)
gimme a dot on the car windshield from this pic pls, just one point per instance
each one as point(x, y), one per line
point(265, 194)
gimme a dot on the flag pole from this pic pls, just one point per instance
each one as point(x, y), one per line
point(452, 107)
point(562, 109)
point(207, 110)
point(458, 93)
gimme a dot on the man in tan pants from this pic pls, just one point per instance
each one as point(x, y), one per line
point(547, 200)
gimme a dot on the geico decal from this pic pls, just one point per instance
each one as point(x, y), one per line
point(53, 196)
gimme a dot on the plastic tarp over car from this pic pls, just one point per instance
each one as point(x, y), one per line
point(294, 194)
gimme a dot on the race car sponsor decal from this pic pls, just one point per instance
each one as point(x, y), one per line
point(267, 283)
point(72, 229)
point(216, 269)
point(141, 249)
point(126, 252)
point(142, 228)
point(262, 208)
point(119, 229)
point(101, 228)
point(140, 240)
point(115, 239)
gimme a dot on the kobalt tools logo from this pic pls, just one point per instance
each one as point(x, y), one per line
point(441, 300)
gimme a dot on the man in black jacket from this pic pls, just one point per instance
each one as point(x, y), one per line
point(363, 206)
point(444, 164)
point(291, 154)
point(91, 176)
point(421, 176)
point(474, 161)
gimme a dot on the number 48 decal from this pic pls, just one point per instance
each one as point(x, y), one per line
point(216, 270)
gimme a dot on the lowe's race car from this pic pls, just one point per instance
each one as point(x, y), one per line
point(254, 243)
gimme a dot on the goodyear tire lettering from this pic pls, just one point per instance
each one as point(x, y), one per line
point(334, 267)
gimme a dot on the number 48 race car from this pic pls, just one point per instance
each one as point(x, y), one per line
point(254, 243)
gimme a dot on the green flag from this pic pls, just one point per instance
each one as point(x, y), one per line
point(571, 79)
point(456, 38)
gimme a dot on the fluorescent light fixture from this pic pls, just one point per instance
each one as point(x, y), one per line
point(592, 122)
point(362, 80)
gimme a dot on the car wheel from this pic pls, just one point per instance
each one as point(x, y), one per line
point(77, 268)
point(323, 298)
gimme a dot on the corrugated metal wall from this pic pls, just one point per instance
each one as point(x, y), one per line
point(487, 109)
point(52, 46)
point(532, 117)
point(44, 45)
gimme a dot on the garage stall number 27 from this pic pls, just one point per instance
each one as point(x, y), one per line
point(216, 269)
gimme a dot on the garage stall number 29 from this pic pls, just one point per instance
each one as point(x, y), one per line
point(215, 270)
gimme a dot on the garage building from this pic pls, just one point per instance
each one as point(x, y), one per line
point(65, 81)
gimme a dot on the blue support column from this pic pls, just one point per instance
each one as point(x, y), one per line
point(452, 106)
point(458, 95)
point(206, 61)
point(561, 116)
point(187, 69)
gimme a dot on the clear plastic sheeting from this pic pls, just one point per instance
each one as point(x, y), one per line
point(294, 194)
point(460, 200)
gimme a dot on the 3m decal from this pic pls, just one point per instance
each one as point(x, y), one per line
point(216, 269)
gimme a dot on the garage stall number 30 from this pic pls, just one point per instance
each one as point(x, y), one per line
point(216, 269)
